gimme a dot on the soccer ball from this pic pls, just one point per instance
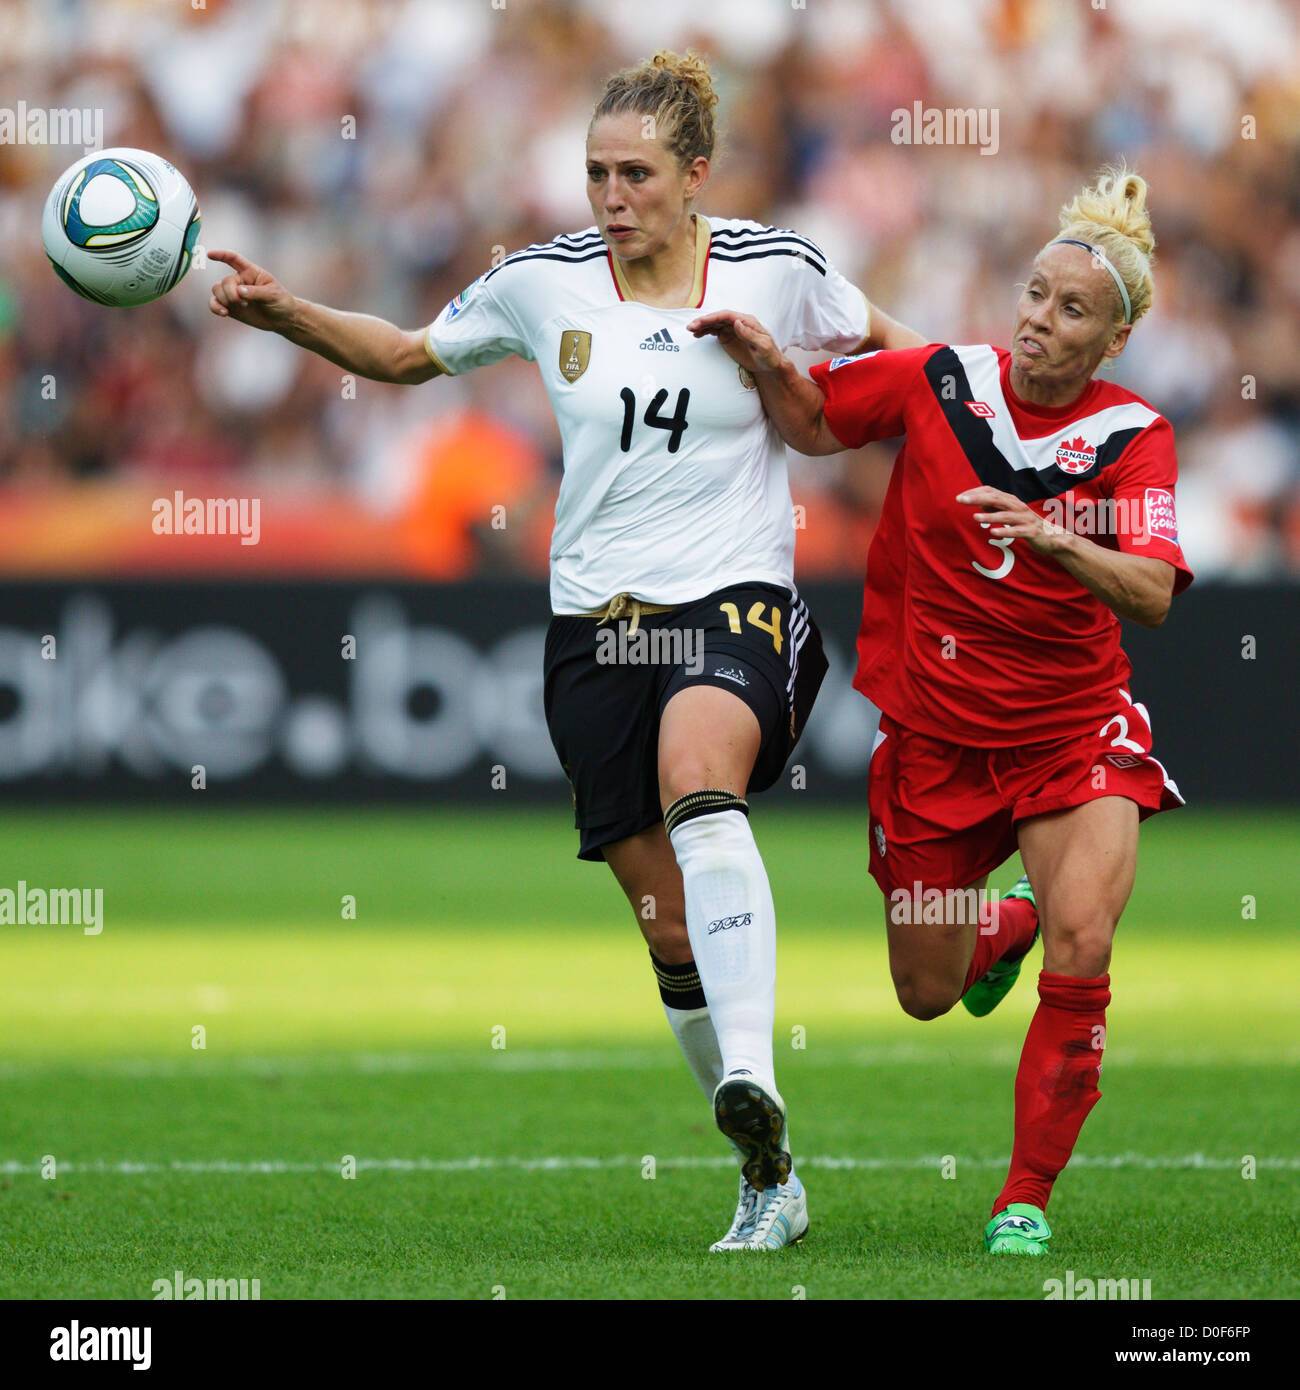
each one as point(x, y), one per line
point(120, 226)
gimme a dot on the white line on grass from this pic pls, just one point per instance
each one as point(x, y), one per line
point(197, 1064)
point(569, 1162)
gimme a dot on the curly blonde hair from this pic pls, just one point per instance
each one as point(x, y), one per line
point(1113, 215)
point(677, 92)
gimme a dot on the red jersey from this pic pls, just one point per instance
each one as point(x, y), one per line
point(982, 641)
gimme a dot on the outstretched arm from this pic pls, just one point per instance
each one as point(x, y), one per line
point(370, 347)
point(793, 401)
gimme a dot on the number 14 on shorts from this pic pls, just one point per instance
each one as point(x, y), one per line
point(755, 619)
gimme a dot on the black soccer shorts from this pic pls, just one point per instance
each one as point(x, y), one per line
point(606, 685)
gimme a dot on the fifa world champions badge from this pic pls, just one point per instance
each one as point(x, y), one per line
point(575, 353)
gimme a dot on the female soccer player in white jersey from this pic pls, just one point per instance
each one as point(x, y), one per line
point(680, 664)
point(1031, 507)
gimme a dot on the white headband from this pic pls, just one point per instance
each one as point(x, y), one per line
point(1101, 256)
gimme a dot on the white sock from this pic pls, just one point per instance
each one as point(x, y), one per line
point(693, 1029)
point(731, 923)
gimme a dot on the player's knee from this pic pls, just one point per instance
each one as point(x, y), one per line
point(922, 997)
point(1083, 960)
point(683, 773)
point(1078, 946)
point(667, 939)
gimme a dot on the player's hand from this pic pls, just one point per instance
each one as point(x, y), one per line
point(743, 338)
point(251, 295)
point(1004, 515)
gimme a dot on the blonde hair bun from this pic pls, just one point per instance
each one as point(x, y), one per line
point(677, 91)
point(691, 69)
point(1113, 215)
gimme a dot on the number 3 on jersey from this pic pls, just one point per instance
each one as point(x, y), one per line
point(755, 618)
point(1008, 559)
point(675, 423)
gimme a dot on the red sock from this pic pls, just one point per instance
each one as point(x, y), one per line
point(1056, 1085)
point(1015, 920)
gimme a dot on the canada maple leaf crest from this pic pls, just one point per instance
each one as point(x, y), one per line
point(1075, 455)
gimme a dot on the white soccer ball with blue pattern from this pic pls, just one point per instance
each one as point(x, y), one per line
point(120, 226)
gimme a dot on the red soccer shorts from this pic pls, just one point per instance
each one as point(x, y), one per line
point(943, 814)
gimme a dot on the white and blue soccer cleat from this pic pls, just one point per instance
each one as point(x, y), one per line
point(744, 1221)
point(782, 1217)
point(767, 1220)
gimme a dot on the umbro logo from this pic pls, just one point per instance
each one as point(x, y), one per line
point(982, 409)
point(662, 341)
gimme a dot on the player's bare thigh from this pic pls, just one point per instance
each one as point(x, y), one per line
point(707, 738)
point(928, 961)
point(647, 872)
point(1081, 863)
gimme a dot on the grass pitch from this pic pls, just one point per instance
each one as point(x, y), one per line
point(576, 1158)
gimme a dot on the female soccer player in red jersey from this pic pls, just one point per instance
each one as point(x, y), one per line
point(1031, 507)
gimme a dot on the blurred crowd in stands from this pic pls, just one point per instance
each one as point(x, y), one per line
point(376, 154)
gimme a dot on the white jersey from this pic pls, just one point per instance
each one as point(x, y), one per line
point(674, 480)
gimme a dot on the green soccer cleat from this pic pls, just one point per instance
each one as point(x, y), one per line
point(1018, 1230)
point(994, 985)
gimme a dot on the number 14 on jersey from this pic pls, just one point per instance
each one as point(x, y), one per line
point(675, 423)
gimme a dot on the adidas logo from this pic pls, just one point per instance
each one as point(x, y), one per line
point(659, 342)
